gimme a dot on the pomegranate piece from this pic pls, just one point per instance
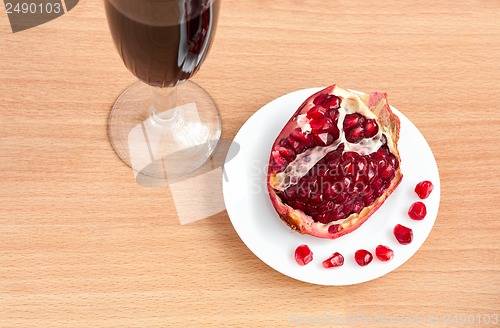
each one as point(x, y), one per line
point(403, 234)
point(363, 257)
point(335, 260)
point(424, 189)
point(303, 255)
point(335, 162)
point(417, 211)
point(384, 253)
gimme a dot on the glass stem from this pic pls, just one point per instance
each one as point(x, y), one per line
point(164, 109)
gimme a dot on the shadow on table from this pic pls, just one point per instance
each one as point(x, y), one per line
point(197, 195)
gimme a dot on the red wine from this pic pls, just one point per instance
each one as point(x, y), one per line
point(162, 42)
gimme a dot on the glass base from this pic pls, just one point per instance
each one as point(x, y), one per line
point(166, 145)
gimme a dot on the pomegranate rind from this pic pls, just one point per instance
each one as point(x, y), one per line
point(297, 220)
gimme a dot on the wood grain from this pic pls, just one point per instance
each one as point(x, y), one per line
point(82, 245)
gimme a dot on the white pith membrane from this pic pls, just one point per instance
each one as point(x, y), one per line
point(350, 103)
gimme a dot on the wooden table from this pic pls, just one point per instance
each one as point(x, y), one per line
point(83, 245)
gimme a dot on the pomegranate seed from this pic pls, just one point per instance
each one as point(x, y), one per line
point(357, 206)
point(377, 184)
point(346, 182)
point(283, 143)
point(332, 102)
point(347, 167)
point(348, 207)
point(316, 112)
point(324, 139)
point(387, 172)
point(367, 191)
point(337, 208)
point(303, 193)
point(335, 260)
point(341, 197)
point(383, 151)
point(338, 216)
point(355, 135)
point(327, 206)
point(334, 228)
point(334, 115)
point(294, 145)
point(403, 234)
point(279, 160)
point(309, 140)
point(317, 124)
point(372, 170)
point(394, 161)
point(369, 199)
point(324, 218)
point(352, 120)
point(371, 128)
point(306, 140)
point(320, 125)
point(363, 257)
point(333, 191)
point(384, 253)
point(288, 154)
point(303, 255)
point(320, 99)
point(350, 156)
point(298, 205)
point(316, 198)
point(291, 192)
point(417, 211)
point(424, 189)
point(312, 209)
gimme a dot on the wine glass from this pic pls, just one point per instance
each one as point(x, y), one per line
point(163, 125)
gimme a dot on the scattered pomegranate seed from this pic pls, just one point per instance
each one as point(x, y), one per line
point(423, 189)
point(403, 234)
point(363, 257)
point(303, 255)
point(384, 253)
point(335, 260)
point(417, 211)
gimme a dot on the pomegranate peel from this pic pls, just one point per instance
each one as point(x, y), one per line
point(335, 162)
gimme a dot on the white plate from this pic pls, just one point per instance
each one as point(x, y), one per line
point(259, 227)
